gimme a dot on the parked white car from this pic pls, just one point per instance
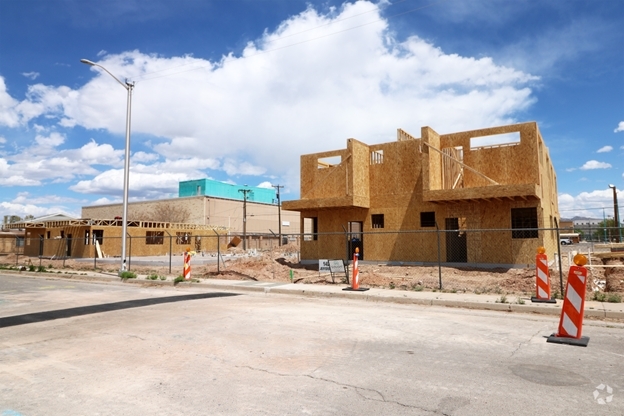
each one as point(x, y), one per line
point(565, 241)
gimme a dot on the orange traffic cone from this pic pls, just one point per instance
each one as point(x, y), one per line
point(542, 279)
point(355, 281)
point(571, 322)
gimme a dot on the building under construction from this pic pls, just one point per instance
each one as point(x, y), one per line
point(493, 178)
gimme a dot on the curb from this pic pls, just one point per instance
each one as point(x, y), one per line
point(554, 310)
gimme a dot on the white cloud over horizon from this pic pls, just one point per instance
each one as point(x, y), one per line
point(620, 127)
point(588, 204)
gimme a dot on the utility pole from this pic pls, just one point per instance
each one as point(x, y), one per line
point(279, 211)
point(245, 192)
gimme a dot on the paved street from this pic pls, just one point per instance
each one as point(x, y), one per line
point(73, 348)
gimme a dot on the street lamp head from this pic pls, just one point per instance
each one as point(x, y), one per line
point(88, 62)
point(611, 186)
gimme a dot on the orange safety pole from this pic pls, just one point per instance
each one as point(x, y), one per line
point(355, 281)
point(571, 321)
point(542, 279)
point(187, 265)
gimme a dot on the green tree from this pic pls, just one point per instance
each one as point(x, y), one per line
point(606, 229)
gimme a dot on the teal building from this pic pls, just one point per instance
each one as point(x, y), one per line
point(216, 189)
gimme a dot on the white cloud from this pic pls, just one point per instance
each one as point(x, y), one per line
point(256, 113)
point(620, 127)
point(53, 140)
point(570, 169)
point(265, 184)
point(31, 75)
point(19, 209)
point(594, 164)
point(604, 149)
point(588, 204)
point(270, 107)
point(2, 140)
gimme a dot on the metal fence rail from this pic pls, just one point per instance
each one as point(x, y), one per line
point(442, 259)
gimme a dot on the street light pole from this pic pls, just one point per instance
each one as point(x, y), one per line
point(279, 211)
point(124, 218)
point(616, 213)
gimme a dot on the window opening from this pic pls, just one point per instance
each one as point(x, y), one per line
point(377, 220)
point(310, 229)
point(376, 157)
point(154, 237)
point(98, 235)
point(524, 222)
point(495, 140)
point(329, 162)
point(427, 219)
point(183, 238)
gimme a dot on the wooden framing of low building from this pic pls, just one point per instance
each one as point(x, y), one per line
point(81, 238)
point(261, 218)
point(456, 182)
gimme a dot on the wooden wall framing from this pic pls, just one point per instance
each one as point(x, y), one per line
point(409, 179)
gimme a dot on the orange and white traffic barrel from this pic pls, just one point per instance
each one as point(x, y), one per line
point(542, 278)
point(571, 321)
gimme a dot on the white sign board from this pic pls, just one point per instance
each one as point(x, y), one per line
point(336, 266)
point(331, 266)
point(324, 266)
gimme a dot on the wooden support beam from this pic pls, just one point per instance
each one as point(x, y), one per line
point(461, 163)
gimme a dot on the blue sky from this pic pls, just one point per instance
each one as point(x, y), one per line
point(237, 90)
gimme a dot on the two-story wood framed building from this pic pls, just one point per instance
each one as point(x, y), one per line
point(392, 197)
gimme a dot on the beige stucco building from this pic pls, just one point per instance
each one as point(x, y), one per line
point(206, 210)
point(493, 178)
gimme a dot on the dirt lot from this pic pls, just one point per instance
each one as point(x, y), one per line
point(276, 266)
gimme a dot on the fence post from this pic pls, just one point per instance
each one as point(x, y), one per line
point(170, 245)
point(17, 250)
point(40, 250)
point(347, 252)
point(94, 252)
point(129, 250)
point(559, 256)
point(218, 251)
point(439, 255)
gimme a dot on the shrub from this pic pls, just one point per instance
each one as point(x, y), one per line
point(41, 269)
point(178, 280)
point(152, 277)
point(600, 296)
point(31, 268)
point(163, 277)
point(614, 298)
point(127, 275)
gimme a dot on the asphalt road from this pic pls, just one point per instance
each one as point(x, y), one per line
point(71, 348)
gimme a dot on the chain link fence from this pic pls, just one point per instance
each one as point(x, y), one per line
point(500, 261)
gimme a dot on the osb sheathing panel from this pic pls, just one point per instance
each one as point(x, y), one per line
point(502, 191)
point(396, 190)
point(358, 165)
point(330, 182)
point(432, 167)
point(516, 164)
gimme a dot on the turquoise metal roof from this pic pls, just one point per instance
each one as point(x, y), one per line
point(209, 187)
